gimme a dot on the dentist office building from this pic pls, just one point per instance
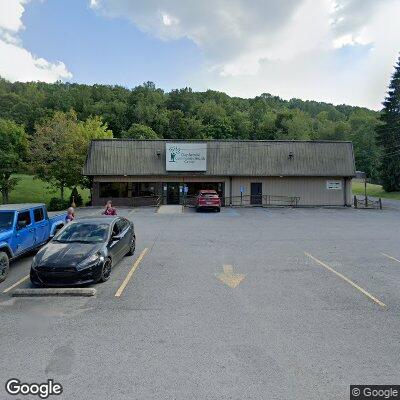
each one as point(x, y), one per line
point(135, 172)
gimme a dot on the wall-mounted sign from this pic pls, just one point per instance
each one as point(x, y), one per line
point(186, 157)
point(334, 185)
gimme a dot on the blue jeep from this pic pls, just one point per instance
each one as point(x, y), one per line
point(24, 227)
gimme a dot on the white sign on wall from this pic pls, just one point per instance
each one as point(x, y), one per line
point(186, 157)
point(334, 185)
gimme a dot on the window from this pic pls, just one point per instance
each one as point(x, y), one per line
point(113, 189)
point(38, 214)
point(122, 224)
point(6, 220)
point(24, 219)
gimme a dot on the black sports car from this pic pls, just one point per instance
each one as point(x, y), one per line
point(83, 252)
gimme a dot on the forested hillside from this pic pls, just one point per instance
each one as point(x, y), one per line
point(149, 112)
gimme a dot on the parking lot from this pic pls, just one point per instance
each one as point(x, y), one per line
point(243, 304)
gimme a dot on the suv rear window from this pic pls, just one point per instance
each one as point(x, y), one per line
point(208, 194)
point(38, 214)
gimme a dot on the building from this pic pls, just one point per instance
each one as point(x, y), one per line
point(244, 172)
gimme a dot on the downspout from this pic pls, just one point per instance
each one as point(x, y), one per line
point(230, 191)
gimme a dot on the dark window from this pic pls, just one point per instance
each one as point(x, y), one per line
point(6, 220)
point(147, 189)
point(115, 230)
point(38, 214)
point(113, 189)
point(24, 219)
point(122, 224)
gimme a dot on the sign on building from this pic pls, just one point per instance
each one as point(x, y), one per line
point(186, 157)
point(334, 185)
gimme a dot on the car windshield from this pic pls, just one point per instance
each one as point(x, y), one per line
point(83, 232)
point(6, 220)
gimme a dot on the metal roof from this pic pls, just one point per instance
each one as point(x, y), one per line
point(19, 207)
point(224, 158)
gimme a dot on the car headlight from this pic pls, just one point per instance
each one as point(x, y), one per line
point(90, 261)
point(34, 262)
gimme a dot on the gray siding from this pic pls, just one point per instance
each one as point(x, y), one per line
point(311, 190)
point(227, 158)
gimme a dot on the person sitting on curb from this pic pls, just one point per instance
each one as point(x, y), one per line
point(110, 210)
point(70, 215)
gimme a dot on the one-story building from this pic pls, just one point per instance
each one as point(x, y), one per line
point(126, 171)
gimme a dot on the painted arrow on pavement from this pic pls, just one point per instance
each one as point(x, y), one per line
point(229, 278)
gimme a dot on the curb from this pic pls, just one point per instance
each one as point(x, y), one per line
point(54, 292)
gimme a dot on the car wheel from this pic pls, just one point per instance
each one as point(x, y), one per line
point(106, 270)
point(132, 246)
point(4, 266)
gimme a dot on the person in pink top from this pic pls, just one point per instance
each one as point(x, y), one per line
point(109, 210)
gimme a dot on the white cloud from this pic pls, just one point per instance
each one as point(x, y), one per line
point(332, 50)
point(17, 63)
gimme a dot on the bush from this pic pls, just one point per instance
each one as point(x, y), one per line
point(57, 204)
point(75, 197)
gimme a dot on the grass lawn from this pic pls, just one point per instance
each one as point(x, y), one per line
point(29, 190)
point(374, 190)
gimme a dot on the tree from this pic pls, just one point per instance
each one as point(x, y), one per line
point(140, 132)
point(389, 134)
point(13, 146)
point(59, 147)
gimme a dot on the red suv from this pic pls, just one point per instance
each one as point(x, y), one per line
point(208, 199)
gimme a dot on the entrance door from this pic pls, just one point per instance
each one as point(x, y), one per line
point(256, 193)
point(172, 193)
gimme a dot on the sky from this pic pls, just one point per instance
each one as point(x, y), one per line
point(337, 51)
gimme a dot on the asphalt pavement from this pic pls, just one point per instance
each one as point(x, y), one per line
point(243, 304)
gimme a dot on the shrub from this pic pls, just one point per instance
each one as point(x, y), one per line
point(57, 204)
point(75, 197)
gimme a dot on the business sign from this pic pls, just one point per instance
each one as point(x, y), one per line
point(186, 157)
point(334, 185)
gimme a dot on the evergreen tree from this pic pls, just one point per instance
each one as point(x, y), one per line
point(389, 135)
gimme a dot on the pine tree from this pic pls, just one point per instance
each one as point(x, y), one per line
point(389, 134)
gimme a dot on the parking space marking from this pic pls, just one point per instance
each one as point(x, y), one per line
point(130, 273)
point(359, 288)
point(392, 258)
point(16, 284)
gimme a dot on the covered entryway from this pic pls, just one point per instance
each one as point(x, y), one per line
point(256, 193)
point(172, 193)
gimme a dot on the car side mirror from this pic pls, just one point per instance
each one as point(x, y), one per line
point(21, 225)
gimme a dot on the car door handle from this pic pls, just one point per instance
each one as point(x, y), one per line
point(31, 230)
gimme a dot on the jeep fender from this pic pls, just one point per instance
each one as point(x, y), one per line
point(7, 249)
point(55, 227)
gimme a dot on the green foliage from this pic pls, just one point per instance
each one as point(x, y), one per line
point(139, 131)
point(59, 147)
point(147, 112)
point(57, 204)
point(75, 197)
point(13, 147)
point(389, 135)
point(33, 190)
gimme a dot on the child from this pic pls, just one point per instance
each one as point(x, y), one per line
point(110, 210)
point(70, 215)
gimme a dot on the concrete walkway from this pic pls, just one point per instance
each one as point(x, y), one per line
point(170, 209)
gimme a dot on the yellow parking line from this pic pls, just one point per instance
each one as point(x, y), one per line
point(16, 284)
point(392, 258)
point(130, 273)
point(363, 291)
